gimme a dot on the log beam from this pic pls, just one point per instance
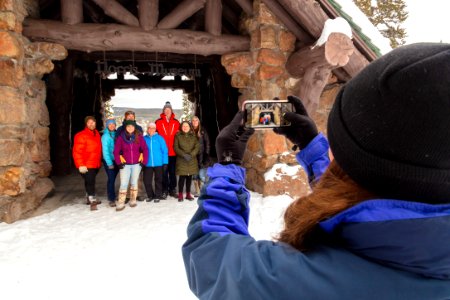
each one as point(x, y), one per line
point(288, 21)
point(116, 11)
point(183, 11)
point(309, 13)
point(246, 5)
point(186, 85)
point(213, 17)
point(72, 11)
point(148, 13)
point(314, 66)
point(113, 37)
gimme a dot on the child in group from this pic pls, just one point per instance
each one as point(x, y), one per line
point(158, 157)
point(131, 151)
point(186, 147)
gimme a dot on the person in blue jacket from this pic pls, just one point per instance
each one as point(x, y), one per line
point(377, 223)
point(111, 168)
point(158, 158)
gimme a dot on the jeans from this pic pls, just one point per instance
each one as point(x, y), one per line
point(89, 181)
point(148, 181)
point(169, 177)
point(129, 175)
point(110, 184)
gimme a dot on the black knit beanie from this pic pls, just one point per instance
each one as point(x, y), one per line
point(389, 128)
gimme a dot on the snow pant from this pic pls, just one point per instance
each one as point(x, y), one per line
point(89, 181)
point(181, 180)
point(110, 184)
point(148, 181)
point(169, 182)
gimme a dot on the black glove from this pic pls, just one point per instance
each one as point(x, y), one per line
point(121, 166)
point(165, 168)
point(142, 165)
point(303, 129)
point(232, 141)
point(187, 157)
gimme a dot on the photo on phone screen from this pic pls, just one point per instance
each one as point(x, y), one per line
point(261, 114)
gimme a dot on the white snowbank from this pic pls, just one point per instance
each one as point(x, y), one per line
point(73, 253)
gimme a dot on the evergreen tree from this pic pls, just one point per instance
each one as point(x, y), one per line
point(109, 109)
point(388, 16)
point(187, 109)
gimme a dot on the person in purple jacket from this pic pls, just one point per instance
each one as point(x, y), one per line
point(131, 152)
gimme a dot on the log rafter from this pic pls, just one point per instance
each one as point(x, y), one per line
point(112, 37)
point(148, 13)
point(213, 17)
point(183, 11)
point(116, 11)
point(72, 11)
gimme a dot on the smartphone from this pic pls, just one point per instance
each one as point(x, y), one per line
point(263, 114)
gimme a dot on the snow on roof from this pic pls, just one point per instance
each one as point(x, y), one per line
point(367, 28)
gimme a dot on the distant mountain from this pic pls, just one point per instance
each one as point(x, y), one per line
point(143, 115)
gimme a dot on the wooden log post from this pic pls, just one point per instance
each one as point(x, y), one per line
point(148, 13)
point(116, 11)
point(113, 37)
point(213, 17)
point(183, 11)
point(59, 103)
point(314, 66)
point(72, 11)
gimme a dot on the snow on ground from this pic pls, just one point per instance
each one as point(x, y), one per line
point(73, 253)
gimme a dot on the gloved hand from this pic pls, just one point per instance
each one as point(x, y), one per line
point(303, 129)
point(187, 157)
point(141, 157)
point(121, 166)
point(165, 168)
point(122, 160)
point(232, 141)
point(142, 165)
point(83, 169)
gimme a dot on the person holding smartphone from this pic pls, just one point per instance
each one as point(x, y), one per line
point(377, 223)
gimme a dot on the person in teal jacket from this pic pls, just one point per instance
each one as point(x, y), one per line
point(377, 223)
point(158, 158)
point(111, 168)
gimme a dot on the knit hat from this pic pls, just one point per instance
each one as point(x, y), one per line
point(153, 125)
point(167, 105)
point(129, 122)
point(389, 128)
point(110, 121)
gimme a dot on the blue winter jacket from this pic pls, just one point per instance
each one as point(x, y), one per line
point(379, 249)
point(108, 139)
point(158, 154)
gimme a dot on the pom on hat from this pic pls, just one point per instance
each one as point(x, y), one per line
point(167, 105)
point(151, 125)
point(389, 126)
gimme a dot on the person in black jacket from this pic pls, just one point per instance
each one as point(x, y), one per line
point(203, 158)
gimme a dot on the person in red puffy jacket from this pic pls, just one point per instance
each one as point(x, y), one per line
point(87, 156)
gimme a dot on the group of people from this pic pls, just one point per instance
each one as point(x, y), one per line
point(166, 150)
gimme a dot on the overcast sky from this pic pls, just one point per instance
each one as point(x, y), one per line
point(427, 21)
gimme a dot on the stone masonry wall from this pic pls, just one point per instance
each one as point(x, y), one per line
point(261, 74)
point(24, 133)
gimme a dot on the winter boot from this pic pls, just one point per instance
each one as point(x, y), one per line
point(92, 202)
point(180, 197)
point(133, 196)
point(189, 197)
point(196, 188)
point(121, 200)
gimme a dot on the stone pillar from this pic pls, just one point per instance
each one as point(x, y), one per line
point(24, 145)
point(260, 74)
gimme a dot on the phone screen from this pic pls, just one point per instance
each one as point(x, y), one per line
point(262, 114)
